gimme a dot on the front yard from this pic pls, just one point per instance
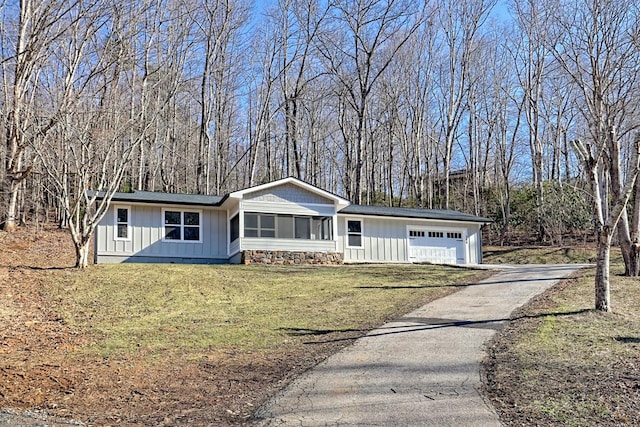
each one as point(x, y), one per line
point(176, 344)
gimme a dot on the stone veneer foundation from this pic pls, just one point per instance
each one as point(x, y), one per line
point(290, 258)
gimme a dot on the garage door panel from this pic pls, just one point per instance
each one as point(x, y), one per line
point(434, 254)
point(436, 246)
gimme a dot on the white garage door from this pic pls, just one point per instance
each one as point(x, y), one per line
point(438, 246)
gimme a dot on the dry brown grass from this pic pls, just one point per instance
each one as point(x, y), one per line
point(562, 363)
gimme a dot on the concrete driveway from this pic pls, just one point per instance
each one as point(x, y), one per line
point(420, 370)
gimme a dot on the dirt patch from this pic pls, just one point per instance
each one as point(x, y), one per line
point(43, 370)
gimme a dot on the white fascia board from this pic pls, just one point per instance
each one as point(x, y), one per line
point(339, 201)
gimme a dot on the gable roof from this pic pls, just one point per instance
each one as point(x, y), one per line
point(418, 213)
point(340, 201)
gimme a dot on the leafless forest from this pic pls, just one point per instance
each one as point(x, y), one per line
point(523, 111)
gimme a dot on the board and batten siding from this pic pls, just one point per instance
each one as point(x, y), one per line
point(383, 240)
point(386, 239)
point(474, 244)
point(146, 234)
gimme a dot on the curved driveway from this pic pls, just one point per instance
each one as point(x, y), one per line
point(420, 370)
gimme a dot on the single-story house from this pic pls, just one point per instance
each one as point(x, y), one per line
point(284, 221)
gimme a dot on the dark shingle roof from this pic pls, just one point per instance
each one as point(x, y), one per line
point(439, 214)
point(212, 201)
point(166, 198)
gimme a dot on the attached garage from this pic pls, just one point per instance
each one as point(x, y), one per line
point(442, 246)
point(389, 234)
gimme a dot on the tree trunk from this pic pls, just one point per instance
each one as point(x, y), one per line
point(602, 284)
point(10, 223)
point(83, 248)
point(634, 260)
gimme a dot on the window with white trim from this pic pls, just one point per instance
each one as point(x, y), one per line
point(182, 225)
point(259, 225)
point(454, 235)
point(354, 233)
point(122, 222)
point(416, 233)
point(283, 226)
point(436, 234)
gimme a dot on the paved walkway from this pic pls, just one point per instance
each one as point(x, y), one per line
point(421, 370)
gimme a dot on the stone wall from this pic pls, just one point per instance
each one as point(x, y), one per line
point(291, 258)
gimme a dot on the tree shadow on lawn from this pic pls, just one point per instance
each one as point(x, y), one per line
point(458, 285)
point(417, 324)
point(297, 332)
point(36, 268)
point(628, 340)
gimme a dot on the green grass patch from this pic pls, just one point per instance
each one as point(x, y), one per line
point(194, 309)
point(566, 364)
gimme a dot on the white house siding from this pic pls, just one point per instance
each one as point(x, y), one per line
point(383, 240)
point(287, 208)
point(253, 243)
point(475, 243)
point(287, 193)
point(146, 233)
point(234, 247)
point(386, 239)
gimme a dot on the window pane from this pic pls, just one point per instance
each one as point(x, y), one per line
point(191, 233)
point(322, 227)
point(267, 221)
point(172, 233)
point(327, 229)
point(355, 240)
point(171, 217)
point(267, 233)
point(122, 231)
point(285, 227)
point(250, 232)
point(303, 228)
point(235, 228)
point(123, 215)
point(250, 220)
point(354, 226)
point(191, 218)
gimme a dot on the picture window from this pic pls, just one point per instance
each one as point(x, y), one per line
point(182, 226)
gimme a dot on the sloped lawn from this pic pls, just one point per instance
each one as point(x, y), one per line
point(180, 344)
point(177, 308)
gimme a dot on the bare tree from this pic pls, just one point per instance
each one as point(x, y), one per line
point(102, 125)
point(460, 23)
point(365, 39)
point(298, 24)
point(593, 43)
point(27, 51)
point(531, 62)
